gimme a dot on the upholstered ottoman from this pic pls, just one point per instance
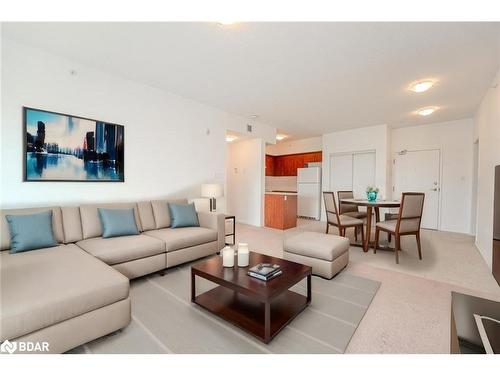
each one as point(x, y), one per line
point(327, 254)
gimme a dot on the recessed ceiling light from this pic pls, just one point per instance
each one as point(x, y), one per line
point(231, 138)
point(280, 137)
point(226, 23)
point(254, 116)
point(426, 111)
point(422, 86)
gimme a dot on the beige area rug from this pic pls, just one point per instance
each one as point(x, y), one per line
point(165, 321)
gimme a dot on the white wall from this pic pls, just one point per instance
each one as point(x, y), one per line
point(167, 151)
point(455, 141)
point(487, 130)
point(245, 181)
point(295, 146)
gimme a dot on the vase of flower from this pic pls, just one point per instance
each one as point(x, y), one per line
point(371, 193)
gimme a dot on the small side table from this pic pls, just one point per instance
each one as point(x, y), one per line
point(233, 233)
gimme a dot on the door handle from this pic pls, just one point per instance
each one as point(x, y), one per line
point(435, 189)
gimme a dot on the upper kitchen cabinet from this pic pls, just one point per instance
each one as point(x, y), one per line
point(287, 165)
point(279, 168)
point(269, 165)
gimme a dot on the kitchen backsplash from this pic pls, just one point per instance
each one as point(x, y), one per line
point(284, 183)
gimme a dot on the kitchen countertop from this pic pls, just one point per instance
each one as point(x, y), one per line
point(281, 193)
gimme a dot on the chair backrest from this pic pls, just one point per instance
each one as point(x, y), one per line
point(332, 215)
point(345, 207)
point(412, 206)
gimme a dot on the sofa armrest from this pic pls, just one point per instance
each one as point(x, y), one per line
point(216, 222)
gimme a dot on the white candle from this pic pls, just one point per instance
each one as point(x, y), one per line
point(243, 255)
point(228, 257)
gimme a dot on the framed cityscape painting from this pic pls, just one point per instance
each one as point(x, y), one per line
point(59, 147)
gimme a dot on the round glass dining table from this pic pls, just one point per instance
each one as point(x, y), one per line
point(370, 207)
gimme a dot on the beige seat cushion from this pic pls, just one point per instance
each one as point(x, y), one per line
point(355, 214)
point(122, 249)
point(146, 215)
point(91, 223)
point(407, 225)
point(180, 238)
point(161, 212)
point(344, 220)
point(72, 224)
point(43, 287)
point(317, 245)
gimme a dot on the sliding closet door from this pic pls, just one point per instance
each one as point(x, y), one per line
point(352, 171)
point(363, 173)
point(340, 172)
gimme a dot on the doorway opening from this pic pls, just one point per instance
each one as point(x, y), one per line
point(245, 178)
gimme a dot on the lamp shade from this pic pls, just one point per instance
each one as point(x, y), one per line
point(211, 190)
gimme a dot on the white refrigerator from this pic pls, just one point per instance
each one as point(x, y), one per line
point(309, 192)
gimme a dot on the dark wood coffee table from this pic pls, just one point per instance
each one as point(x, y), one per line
point(258, 307)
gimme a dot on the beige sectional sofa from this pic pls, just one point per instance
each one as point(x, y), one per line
point(78, 291)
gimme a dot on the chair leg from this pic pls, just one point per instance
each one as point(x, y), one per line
point(356, 234)
point(375, 246)
point(389, 237)
point(398, 248)
point(327, 225)
point(362, 234)
point(418, 246)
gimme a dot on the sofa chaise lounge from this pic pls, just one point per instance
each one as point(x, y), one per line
point(78, 291)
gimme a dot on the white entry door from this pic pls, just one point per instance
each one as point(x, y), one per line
point(418, 171)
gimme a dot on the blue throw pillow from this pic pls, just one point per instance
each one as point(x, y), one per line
point(30, 232)
point(183, 215)
point(117, 222)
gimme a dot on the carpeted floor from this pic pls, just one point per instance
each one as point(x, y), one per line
point(165, 320)
point(410, 312)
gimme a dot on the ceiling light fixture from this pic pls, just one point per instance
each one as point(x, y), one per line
point(231, 138)
point(421, 86)
point(280, 137)
point(427, 111)
point(226, 23)
point(254, 116)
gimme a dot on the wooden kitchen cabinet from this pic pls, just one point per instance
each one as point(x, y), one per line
point(269, 165)
point(278, 166)
point(287, 165)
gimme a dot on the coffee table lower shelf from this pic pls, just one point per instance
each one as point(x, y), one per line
point(249, 314)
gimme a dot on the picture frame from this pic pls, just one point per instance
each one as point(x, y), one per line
point(58, 147)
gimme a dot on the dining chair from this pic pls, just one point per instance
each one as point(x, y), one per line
point(390, 216)
point(407, 223)
point(342, 222)
point(347, 209)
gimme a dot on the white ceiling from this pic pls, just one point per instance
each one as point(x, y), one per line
point(304, 78)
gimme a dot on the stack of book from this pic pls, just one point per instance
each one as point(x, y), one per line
point(265, 271)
